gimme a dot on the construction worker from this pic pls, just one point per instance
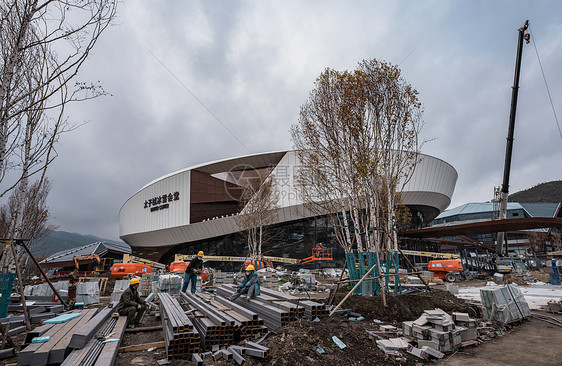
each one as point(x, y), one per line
point(131, 304)
point(193, 269)
point(554, 265)
point(249, 286)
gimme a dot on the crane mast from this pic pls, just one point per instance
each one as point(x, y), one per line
point(509, 146)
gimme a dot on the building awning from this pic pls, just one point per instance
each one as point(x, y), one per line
point(484, 227)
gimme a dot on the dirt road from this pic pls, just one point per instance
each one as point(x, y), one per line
point(532, 343)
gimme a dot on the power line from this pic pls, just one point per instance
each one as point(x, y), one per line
point(545, 83)
point(412, 51)
point(198, 100)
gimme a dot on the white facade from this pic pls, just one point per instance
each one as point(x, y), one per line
point(141, 225)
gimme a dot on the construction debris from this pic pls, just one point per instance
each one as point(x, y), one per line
point(554, 306)
point(440, 331)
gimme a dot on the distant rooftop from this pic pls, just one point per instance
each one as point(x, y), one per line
point(98, 248)
point(538, 209)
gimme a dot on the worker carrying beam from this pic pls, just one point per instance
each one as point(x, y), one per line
point(193, 269)
point(249, 286)
point(131, 304)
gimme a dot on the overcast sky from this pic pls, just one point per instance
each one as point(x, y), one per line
point(182, 74)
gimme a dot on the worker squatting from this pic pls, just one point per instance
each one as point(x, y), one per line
point(131, 305)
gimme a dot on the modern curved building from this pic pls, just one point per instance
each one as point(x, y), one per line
point(194, 208)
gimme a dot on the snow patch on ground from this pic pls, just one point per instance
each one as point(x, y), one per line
point(535, 294)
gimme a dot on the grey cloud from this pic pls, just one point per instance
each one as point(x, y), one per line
point(253, 64)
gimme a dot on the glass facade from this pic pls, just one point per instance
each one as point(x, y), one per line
point(289, 240)
point(293, 239)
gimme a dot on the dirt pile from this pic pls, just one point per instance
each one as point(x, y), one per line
point(513, 279)
point(296, 344)
point(405, 307)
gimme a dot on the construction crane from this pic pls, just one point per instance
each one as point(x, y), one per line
point(222, 258)
point(431, 254)
point(127, 258)
point(509, 146)
point(88, 258)
point(319, 253)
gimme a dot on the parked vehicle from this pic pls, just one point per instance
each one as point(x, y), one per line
point(124, 269)
point(508, 265)
point(450, 270)
point(181, 266)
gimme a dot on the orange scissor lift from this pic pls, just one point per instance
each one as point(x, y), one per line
point(319, 253)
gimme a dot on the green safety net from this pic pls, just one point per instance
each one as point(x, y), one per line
point(366, 286)
point(391, 260)
point(6, 285)
point(372, 261)
point(388, 261)
point(353, 275)
point(394, 262)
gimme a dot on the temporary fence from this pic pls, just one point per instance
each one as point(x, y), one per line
point(388, 264)
point(6, 285)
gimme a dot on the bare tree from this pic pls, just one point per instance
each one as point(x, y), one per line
point(325, 179)
point(44, 45)
point(395, 114)
point(537, 240)
point(36, 214)
point(357, 140)
point(259, 211)
point(556, 240)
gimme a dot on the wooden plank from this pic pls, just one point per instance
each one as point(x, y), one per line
point(24, 357)
point(62, 318)
point(7, 336)
point(6, 353)
point(41, 356)
point(62, 348)
point(38, 318)
point(110, 349)
point(76, 356)
point(142, 347)
point(81, 337)
point(37, 332)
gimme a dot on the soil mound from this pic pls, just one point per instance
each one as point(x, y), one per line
point(405, 307)
point(296, 344)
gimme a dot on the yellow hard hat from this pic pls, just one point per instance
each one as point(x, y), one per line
point(200, 254)
point(250, 267)
point(134, 281)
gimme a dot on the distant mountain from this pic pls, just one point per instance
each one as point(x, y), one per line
point(543, 192)
point(62, 240)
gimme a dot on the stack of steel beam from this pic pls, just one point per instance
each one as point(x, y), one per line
point(313, 309)
point(273, 316)
point(296, 311)
point(179, 334)
point(89, 354)
point(215, 327)
point(247, 324)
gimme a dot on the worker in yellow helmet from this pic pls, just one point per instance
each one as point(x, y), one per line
point(249, 286)
point(131, 305)
point(194, 268)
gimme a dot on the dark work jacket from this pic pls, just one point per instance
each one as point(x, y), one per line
point(250, 279)
point(195, 263)
point(129, 298)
